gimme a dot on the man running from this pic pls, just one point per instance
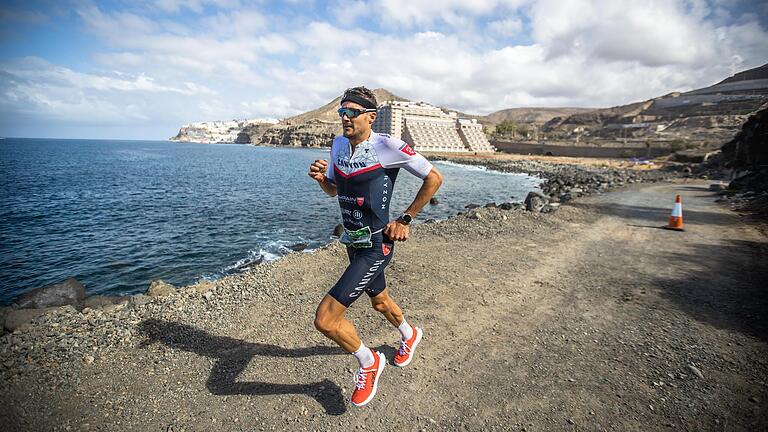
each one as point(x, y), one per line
point(364, 166)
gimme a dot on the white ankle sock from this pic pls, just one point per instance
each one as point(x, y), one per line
point(364, 356)
point(405, 330)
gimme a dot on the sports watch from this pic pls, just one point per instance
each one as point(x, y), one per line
point(405, 219)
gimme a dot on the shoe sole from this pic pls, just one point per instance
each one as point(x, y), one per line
point(419, 334)
point(382, 362)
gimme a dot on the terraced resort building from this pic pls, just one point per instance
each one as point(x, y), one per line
point(428, 128)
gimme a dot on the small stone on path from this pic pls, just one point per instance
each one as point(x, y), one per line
point(696, 371)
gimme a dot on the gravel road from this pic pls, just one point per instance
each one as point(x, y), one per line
point(590, 318)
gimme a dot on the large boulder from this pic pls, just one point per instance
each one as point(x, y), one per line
point(4, 311)
point(158, 288)
point(338, 230)
point(19, 317)
point(535, 201)
point(717, 187)
point(298, 247)
point(138, 300)
point(69, 292)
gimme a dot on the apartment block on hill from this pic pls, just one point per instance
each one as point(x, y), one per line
point(428, 128)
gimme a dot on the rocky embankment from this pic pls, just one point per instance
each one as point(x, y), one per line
point(564, 182)
point(746, 158)
point(314, 133)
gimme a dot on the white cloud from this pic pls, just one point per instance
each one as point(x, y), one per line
point(197, 6)
point(244, 62)
point(653, 32)
point(420, 12)
point(508, 27)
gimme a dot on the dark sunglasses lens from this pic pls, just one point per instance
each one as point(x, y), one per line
point(349, 112)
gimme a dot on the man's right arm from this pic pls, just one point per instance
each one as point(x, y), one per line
point(317, 172)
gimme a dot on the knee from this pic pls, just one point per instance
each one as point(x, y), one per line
point(324, 324)
point(382, 307)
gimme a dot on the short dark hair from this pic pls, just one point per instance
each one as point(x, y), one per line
point(360, 95)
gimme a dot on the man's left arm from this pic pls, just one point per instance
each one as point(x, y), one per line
point(396, 229)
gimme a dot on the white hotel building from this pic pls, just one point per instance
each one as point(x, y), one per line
point(428, 128)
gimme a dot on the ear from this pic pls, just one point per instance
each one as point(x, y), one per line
point(372, 118)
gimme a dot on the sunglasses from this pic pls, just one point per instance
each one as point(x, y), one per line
point(352, 112)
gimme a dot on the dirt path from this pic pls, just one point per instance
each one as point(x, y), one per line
point(586, 319)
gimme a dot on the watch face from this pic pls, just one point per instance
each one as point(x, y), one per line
point(406, 218)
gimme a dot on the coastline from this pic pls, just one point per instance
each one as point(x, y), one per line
point(497, 163)
point(561, 183)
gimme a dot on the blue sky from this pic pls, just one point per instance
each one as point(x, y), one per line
point(140, 69)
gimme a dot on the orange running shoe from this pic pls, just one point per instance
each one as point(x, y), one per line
point(367, 380)
point(405, 353)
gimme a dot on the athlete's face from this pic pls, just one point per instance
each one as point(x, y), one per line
point(358, 127)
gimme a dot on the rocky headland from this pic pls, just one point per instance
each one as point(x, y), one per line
point(218, 132)
point(313, 133)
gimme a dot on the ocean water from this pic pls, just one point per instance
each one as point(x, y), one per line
point(117, 214)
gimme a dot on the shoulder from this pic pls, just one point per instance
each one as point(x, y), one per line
point(387, 143)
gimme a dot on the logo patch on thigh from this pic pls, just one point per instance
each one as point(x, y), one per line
point(386, 249)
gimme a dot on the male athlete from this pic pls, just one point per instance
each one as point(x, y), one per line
point(362, 172)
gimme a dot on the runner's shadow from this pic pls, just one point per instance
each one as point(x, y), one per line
point(232, 357)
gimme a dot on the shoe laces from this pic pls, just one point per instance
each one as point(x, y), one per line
point(361, 377)
point(404, 348)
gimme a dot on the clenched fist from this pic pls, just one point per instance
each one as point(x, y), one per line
point(317, 170)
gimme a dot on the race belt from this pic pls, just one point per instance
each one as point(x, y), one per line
point(358, 239)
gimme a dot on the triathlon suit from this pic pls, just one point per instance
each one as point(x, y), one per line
point(364, 182)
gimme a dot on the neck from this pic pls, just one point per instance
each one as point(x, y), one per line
point(358, 139)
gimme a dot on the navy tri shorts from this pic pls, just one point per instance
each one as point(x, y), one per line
point(365, 272)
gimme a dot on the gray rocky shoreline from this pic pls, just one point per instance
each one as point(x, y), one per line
point(567, 181)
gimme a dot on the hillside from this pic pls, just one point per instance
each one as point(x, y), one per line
point(529, 115)
point(700, 118)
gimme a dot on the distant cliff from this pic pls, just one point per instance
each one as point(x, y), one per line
point(313, 133)
point(218, 132)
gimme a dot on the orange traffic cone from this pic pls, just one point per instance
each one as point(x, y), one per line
point(676, 219)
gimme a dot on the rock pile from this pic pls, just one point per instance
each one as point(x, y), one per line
point(748, 193)
point(564, 182)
